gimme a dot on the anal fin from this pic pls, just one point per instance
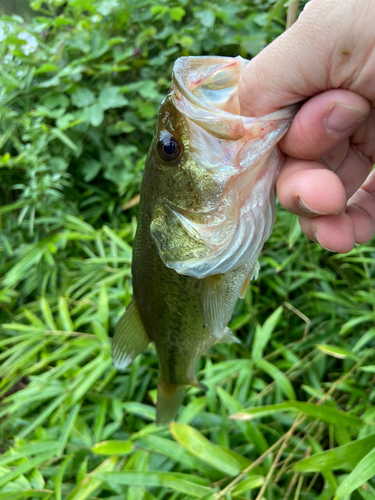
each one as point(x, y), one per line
point(130, 337)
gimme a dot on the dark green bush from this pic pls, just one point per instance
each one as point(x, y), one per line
point(79, 93)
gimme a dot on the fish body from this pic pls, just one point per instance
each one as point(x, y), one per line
point(207, 206)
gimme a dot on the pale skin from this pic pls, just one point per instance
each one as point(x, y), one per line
point(328, 58)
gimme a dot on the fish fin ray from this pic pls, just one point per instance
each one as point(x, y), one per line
point(251, 276)
point(130, 337)
point(255, 272)
point(169, 399)
point(213, 304)
point(245, 286)
point(228, 337)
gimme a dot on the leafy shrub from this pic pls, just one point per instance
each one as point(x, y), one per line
point(79, 93)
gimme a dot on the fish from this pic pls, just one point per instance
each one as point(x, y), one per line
point(207, 206)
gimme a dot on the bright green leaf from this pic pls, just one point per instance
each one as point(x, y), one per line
point(327, 414)
point(204, 449)
point(112, 448)
point(184, 483)
point(263, 333)
point(83, 97)
point(363, 471)
point(92, 481)
point(111, 97)
point(336, 351)
point(177, 13)
point(343, 457)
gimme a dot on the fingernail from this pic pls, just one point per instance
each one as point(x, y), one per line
point(305, 208)
point(342, 118)
point(315, 234)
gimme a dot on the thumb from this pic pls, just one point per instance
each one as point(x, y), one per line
point(300, 63)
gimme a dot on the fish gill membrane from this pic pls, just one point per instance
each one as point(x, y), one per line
point(207, 206)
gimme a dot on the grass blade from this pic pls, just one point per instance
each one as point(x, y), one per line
point(202, 448)
point(183, 483)
point(343, 457)
point(363, 471)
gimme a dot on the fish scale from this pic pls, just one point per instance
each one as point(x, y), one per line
point(207, 206)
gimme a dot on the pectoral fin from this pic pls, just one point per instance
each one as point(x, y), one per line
point(245, 286)
point(130, 337)
point(251, 276)
point(229, 338)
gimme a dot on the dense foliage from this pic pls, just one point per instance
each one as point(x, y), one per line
point(80, 87)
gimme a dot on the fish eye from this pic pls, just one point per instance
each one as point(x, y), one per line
point(169, 148)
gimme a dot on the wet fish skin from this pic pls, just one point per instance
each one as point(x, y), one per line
point(170, 304)
point(184, 287)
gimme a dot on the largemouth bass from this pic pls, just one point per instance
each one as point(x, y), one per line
point(207, 206)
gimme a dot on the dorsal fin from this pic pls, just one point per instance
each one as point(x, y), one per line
point(130, 337)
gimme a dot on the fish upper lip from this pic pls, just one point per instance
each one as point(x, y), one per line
point(180, 74)
point(201, 109)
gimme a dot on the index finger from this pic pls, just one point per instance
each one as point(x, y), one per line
point(323, 122)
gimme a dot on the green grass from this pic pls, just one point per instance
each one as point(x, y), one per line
point(289, 412)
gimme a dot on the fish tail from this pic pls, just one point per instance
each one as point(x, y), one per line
point(169, 400)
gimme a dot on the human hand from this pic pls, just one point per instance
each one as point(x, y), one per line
point(328, 56)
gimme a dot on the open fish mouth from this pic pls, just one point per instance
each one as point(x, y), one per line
point(206, 92)
point(242, 155)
